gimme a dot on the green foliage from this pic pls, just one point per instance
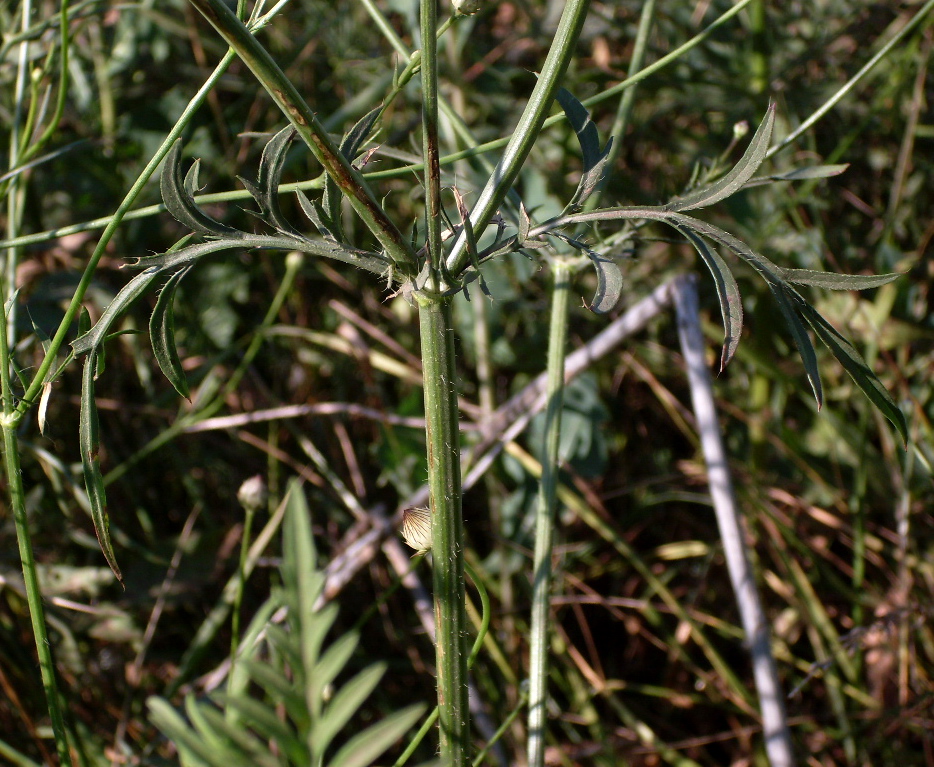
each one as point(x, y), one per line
point(297, 669)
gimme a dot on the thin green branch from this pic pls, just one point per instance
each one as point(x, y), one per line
point(545, 512)
point(430, 151)
point(528, 129)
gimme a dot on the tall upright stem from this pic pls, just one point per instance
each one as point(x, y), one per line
point(545, 513)
point(14, 478)
point(444, 482)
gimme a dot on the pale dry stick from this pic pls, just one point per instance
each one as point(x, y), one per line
point(504, 425)
point(771, 698)
point(299, 411)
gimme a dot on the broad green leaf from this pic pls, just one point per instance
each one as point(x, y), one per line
point(162, 334)
point(854, 364)
point(178, 196)
point(833, 281)
point(595, 158)
point(170, 722)
point(89, 443)
point(609, 283)
point(302, 581)
point(244, 748)
point(267, 724)
point(201, 724)
point(739, 174)
point(278, 688)
point(345, 703)
point(332, 662)
point(731, 303)
point(366, 747)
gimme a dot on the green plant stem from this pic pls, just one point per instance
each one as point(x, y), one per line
point(11, 453)
point(311, 131)
point(429, 722)
point(526, 132)
point(444, 482)
point(545, 512)
point(430, 152)
point(241, 585)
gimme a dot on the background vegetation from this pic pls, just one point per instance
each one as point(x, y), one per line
point(839, 514)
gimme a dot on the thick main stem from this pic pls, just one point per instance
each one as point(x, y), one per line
point(545, 514)
point(444, 483)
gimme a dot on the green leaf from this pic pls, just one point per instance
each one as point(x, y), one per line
point(162, 334)
point(772, 274)
point(349, 147)
point(265, 722)
point(266, 189)
point(94, 338)
point(89, 442)
point(345, 703)
point(801, 338)
point(274, 682)
point(595, 158)
point(354, 139)
point(740, 173)
point(800, 174)
point(244, 749)
point(609, 283)
point(854, 364)
point(178, 196)
point(731, 304)
point(170, 722)
point(832, 281)
point(366, 747)
point(332, 662)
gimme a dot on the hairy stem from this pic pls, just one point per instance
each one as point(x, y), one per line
point(444, 481)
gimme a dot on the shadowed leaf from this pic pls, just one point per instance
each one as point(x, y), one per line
point(178, 196)
point(595, 158)
point(854, 364)
point(731, 304)
point(831, 281)
point(89, 442)
point(162, 334)
point(739, 174)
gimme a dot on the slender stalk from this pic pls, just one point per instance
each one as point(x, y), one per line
point(545, 512)
point(430, 153)
point(526, 132)
point(17, 494)
point(444, 482)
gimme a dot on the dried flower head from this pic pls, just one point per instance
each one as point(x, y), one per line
point(416, 528)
